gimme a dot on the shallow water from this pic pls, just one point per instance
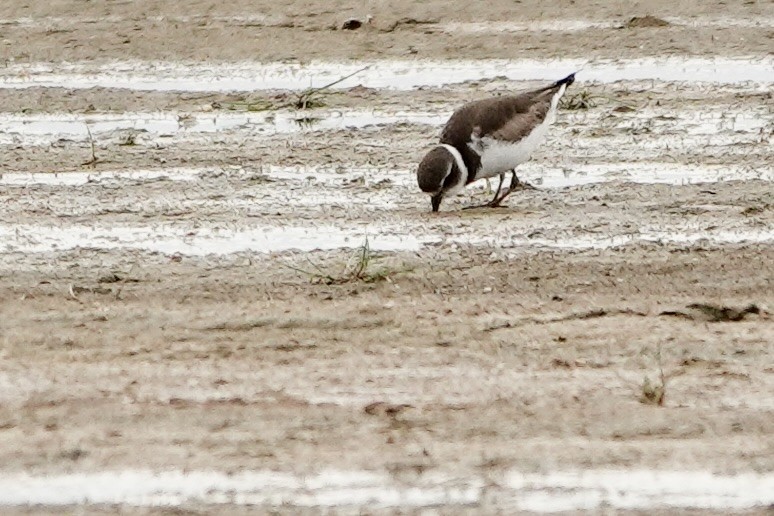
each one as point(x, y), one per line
point(539, 492)
point(44, 129)
point(171, 488)
point(598, 128)
point(645, 173)
point(640, 489)
point(171, 240)
point(673, 235)
point(582, 25)
point(24, 179)
point(199, 242)
point(543, 175)
point(401, 75)
point(552, 25)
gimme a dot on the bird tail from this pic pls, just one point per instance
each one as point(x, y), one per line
point(567, 80)
point(558, 84)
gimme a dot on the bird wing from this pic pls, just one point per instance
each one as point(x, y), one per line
point(508, 117)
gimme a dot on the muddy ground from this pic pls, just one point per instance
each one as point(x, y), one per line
point(263, 30)
point(146, 323)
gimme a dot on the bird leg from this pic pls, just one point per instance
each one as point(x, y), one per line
point(499, 186)
point(495, 198)
point(515, 185)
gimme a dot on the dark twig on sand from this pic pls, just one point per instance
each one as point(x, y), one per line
point(307, 99)
point(93, 161)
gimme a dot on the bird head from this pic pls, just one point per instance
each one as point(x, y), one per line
point(440, 173)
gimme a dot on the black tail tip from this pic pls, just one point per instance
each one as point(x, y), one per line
point(567, 80)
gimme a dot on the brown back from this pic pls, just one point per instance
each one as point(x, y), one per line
point(509, 117)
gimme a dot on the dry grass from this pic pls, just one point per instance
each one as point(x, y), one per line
point(579, 101)
point(654, 393)
point(360, 267)
point(310, 98)
point(94, 160)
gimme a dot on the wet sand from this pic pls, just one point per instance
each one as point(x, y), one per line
point(187, 301)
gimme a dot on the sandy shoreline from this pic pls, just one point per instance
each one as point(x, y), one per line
point(184, 287)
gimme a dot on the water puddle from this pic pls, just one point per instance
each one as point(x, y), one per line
point(644, 173)
point(539, 492)
point(687, 127)
point(261, 20)
point(385, 187)
point(542, 175)
point(63, 22)
point(496, 27)
point(318, 175)
point(172, 240)
point(640, 489)
point(24, 179)
point(44, 129)
point(696, 121)
point(680, 236)
point(172, 488)
point(400, 75)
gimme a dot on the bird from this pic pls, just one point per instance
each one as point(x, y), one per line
point(487, 138)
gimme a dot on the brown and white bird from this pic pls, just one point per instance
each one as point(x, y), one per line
point(488, 138)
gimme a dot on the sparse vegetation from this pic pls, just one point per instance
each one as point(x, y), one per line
point(654, 392)
point(128, 140)
point(94, 160)
point(714, 313)
point(307, 122)
point(359, 268)
point(755, 210)
point(310, 98)
point(584, 99)
point(578, 101)
point(647, 21)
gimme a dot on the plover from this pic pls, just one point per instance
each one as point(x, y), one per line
point(488, 138)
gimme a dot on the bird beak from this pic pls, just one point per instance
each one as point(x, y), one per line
point(436, 201)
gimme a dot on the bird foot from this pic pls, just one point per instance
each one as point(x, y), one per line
point(487, 205)
point(522, 185)
point(494, 203)
point(497, 201)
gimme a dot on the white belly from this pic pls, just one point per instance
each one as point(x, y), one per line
point(498, 156)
